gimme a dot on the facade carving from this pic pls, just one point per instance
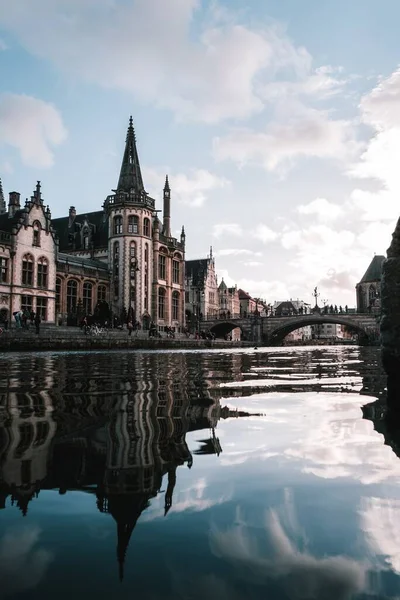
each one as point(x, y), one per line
point(121, 260)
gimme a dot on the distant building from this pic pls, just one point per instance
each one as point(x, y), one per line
point(290, 307)
point(368, 290)
point(201, 290)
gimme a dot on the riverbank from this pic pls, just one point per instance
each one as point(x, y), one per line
point(65, 338)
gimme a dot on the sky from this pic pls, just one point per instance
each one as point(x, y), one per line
point(278, 123)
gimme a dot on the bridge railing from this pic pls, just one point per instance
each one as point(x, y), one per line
point(237, 316)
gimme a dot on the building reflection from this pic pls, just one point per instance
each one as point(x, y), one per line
point(120, 438)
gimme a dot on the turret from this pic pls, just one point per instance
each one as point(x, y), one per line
point(3, 207)
point(167, 208)
point(37, 195)
point(183, 236)
point(13, 204)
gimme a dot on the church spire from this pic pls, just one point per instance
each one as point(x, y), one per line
point(130, 177)
point(3, 206)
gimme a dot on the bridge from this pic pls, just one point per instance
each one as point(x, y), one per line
point(272, 330)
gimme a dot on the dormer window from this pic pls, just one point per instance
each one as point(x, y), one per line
point(36, 233)
point(86, 238)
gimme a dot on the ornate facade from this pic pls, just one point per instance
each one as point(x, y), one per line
point(121, 260)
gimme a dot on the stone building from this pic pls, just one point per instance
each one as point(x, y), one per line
point(120, 260)
point(201, 290)
point(229, 302)
point(368, 290)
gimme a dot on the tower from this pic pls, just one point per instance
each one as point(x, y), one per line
point(3, 207)
point(130, 210)
point(167, 209)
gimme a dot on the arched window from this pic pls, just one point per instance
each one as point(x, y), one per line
point(101, 293)
point(86, 238)
point(87, 298)
point(162, 267)
point(117, 225)
point(372, 293)
point(175, 271)
point(72, 295)
point(161, 303)
point(146, 227)
point(58, 295)
point(36, 233)
point(42, 272)
point(27, 269)
point(133, 224)
point(175, 306)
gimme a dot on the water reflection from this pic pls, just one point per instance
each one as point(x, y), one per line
point(271, 482)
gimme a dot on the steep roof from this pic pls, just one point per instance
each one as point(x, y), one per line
point(130, 178)
point(6, 223)
point(222, 285)
point(374, 271)
point(196, 269)
point(244, 295)
point(63, 230)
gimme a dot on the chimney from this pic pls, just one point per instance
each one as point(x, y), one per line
point(13, 204)
point(167, 209)
point(72, 215)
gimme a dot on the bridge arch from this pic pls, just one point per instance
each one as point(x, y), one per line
point(278, 334)
point(223, 328)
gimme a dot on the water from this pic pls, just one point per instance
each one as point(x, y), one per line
point(218, 474)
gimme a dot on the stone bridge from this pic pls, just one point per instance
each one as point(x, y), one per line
point(272, 330)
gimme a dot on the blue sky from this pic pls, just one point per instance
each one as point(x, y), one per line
point(278, 123)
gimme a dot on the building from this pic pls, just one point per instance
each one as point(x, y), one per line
point(118, 261)
point(201, 290)
point(229, 302)
point(368, 290)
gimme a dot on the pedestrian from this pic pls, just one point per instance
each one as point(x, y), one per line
point(37, 323)
point(130, 327)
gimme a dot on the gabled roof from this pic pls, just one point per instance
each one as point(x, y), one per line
point(244, 295)
point(222, 286)
point(374, 271)
point(96, 218)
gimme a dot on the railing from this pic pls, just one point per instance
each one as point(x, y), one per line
point(250, 316)
point(126, 198)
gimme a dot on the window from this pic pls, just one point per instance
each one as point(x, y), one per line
point(3, 269)
point(132, 250)
point(42, 273)
point(86, 238)
point(146, 254)
point(146, 227)
point(26, 303)
point(175, 306)
point(27, 269)
point(117, 225)
point(101, 293)
point(161, 303)
point(58, 295)
point(133, 224)
point(72, 295)
point(87, 298)
point(175, 271)
point(162, 267)
point(146, 276)
point(116, 269)
point(41, 308)
point(36, 233)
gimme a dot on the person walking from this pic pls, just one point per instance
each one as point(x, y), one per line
point(37, 323)
point(130, 327)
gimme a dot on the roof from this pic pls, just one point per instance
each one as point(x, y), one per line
point(130, 178)
point(197, 269)
point(91, 263)
point(374, 271)
point(222, 285)
point(244, 295)
point(6, 223)
point(100, 235)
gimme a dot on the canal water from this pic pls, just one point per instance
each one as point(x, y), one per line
point(222, 475)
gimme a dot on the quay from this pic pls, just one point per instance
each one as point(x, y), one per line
point(72, 338)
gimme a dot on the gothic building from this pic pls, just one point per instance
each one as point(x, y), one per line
point(368, 290)
point(121, 257)
point(201, 285)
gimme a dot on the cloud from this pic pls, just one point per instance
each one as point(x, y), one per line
point(379, 521)
point(150, 48)
point(309, 133)
point(252, 263)
point(320, 83)
point(265, 234)
point(3, 45)
point(22, 564)
point(220, 229)
point(32, 126)
point(190, 188)
point(237, 252)
point(322, 209)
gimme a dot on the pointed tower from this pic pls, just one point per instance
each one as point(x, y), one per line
point(167, 208)
point(3, 206)
point(130, 177)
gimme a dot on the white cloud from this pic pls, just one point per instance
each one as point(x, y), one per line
point(190, 188)
point(309, 133)
point(265, 234)
point(322, 209)
point(379, 521)
point(150, 49)
point(237, 252)
point(320, 83)
point(32, 126)
point(220, 229)
point(252, 263)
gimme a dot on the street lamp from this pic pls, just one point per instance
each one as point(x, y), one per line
point(133, 269)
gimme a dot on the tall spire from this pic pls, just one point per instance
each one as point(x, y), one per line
point(167, 208)
point(3, 206)
point(130, 177)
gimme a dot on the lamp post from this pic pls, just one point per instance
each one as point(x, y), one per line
point(133, 269)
